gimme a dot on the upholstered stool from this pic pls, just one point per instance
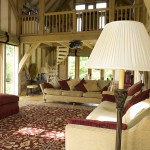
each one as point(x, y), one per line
point(8, 105)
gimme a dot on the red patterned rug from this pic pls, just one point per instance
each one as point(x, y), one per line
point(37, 128)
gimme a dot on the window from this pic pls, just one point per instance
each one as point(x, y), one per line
point(95, 74)
point(101, 5)
point(102, 17)
point(71, 67)
point(91, 6)
point(11, 70)
point(83, 72)
point(80, 7)
point(108, 74)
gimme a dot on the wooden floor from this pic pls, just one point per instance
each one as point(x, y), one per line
point(35, 97)
point(38, 100)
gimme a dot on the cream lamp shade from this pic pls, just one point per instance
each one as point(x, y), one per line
point(123, 45)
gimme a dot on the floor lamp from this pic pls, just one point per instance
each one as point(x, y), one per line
point(122, 45)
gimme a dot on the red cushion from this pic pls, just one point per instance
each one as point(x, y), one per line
point(134, 88)
point(95, 123)
point(104, 89)
point(64, 85)
point(135, 99)
point(8, 98)
point(47, 85)
point(108, 97)
point(80, 86)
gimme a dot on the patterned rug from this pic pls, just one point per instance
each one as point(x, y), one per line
point(37, 127)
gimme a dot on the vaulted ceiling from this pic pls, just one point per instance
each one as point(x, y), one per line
point(50, 5)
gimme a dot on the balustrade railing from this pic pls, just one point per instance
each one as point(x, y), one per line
point(29, 24)
point(78, 21)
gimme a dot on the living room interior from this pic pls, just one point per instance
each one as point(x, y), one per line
point(44, 49)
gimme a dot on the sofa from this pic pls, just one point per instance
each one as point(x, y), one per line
point(98, 130)
point(76, 91)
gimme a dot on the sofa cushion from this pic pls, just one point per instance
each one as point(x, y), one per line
point(95, 123)
point(135, 88)
point(103, 83)
point(51, 91)
point(55, 82)
point(72, 93)
point(64, 85)
point(8, 98)
point(91, 86)
point(103, 113)
point(137, 98)
point(109, 106)
point(47, 85)
point(92, 94)
point(72, 84)
point(134, 111)
point(80, 86)
point(108, 96)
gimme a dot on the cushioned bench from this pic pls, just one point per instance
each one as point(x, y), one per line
point(8, 105)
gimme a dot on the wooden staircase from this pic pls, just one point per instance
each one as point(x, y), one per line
point(62, 53)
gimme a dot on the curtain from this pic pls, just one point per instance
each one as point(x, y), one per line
point(8, 38)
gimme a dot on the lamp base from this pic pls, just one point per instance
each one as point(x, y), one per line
point(120, 95)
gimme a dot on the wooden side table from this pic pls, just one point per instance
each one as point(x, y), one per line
point(31, 87)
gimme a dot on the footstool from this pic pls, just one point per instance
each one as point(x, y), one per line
point(8, 105)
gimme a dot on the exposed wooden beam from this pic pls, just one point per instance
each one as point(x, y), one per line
point(66, 44)
point(86, 43)
point(59, 37)
point(12, 4)
point(27, 55)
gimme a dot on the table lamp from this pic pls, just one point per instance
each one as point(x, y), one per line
point(122, 45)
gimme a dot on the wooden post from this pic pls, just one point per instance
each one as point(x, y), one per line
point(20, 6)
point(77, 66)
point(90, 73)
point(41, 21)
point(74, 22)
point(102, 74)
point(111, 10)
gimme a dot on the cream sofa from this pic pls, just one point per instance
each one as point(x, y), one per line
point(135, 137)
point(92, 95)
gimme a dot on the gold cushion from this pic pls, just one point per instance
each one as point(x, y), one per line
point(72, 84)
point(91, 86)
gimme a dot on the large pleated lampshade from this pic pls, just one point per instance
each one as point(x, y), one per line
point(122, 45)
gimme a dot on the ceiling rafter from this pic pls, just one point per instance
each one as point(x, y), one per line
point(13, 6)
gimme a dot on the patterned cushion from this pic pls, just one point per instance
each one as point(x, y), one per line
point(64, 85)
point(95, 123)
point(80, 86)
point(55, 82)
point(135, 88)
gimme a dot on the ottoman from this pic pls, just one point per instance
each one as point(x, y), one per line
point(8, 105)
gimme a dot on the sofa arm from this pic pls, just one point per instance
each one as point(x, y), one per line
point(79, 137)
point(42, 88)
